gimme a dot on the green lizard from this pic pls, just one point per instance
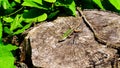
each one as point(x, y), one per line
point(66, 34)
point(70, 31)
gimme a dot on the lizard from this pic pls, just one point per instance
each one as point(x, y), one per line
point(69, 32)
point(96, 35)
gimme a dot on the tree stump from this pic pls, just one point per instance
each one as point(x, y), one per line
point(80, 50)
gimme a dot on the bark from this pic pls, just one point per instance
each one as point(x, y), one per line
point(81, 49)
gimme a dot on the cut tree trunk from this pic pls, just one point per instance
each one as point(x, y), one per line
point(81, 49)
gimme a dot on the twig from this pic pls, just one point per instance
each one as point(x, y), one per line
point(96, 35)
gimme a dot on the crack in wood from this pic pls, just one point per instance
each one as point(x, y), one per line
point(96, 35)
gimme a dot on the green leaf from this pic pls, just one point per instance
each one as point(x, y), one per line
point(98, 2)
point(13, 4)
point(7, 30)
point(9, 47)
point(68, 5)
point(42, 17)
point(31, 4)
point(34, 15)
point(7, 62)
point(7, 19)
point(37, 19)
point(53, 14)
point(6, 57)
point(63, 2)
point(18, 1)
point(50, 1)
point(72, 8)
point(1, 31)
point(115, 3)
point(23, 29)
point(34, 4)
point(16, 23)
point(5, 4)
point(38, 1)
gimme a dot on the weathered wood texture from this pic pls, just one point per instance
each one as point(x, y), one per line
point(80, 50)
point(106, 25)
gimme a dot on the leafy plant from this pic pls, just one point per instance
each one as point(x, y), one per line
point(98, 2)
point(0, 31)
point(31, 11)
point(115, 3)
point(18, 15)
point(6, 57)
point(112, 5)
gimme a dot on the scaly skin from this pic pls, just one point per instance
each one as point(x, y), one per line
point(70, 31)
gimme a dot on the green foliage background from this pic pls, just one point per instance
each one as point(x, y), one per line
point(18, 15)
